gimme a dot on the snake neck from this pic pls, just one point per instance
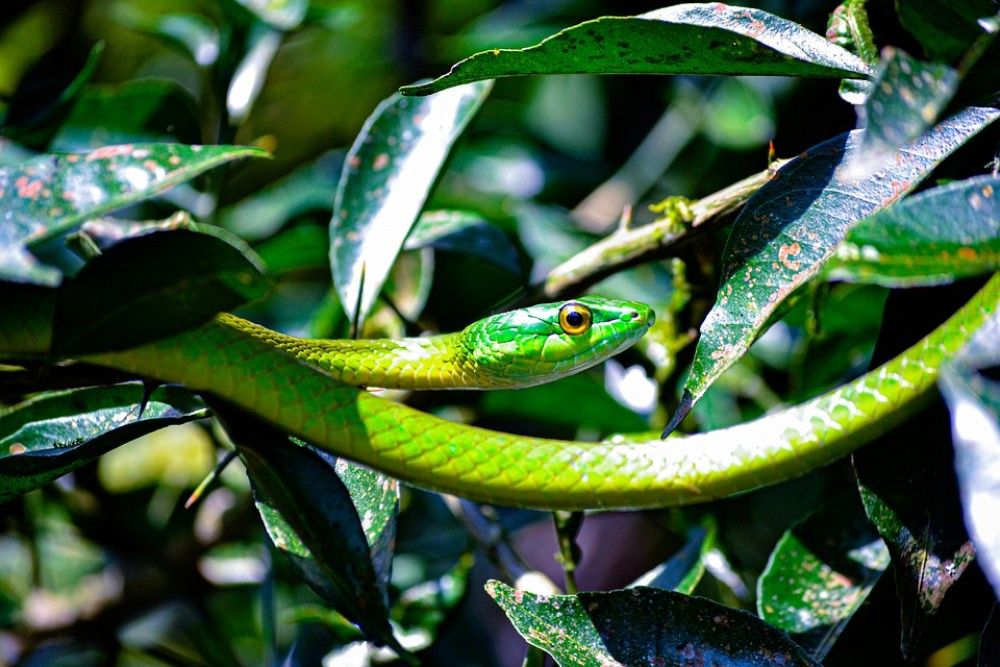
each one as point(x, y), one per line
point(436, 362)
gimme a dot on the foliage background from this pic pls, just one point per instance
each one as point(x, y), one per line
point(108, 564)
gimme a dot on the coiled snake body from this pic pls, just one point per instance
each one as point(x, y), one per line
point(307, 388)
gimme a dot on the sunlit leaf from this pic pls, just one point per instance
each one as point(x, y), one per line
point(905, 100)
point(387, 176)
point(643, 626)
point(50, 194)
point(55, 433)
point(820, 573)
point(710, 38)
point(794, 224)
point(933, 237)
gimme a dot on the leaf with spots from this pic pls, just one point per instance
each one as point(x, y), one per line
point(57, 432)
point(643, 626)
point(793, 224)
point(936, 236)
point(387, 176)
point(973, 398)
point(176, 280)
point(820, 573)
point(50, 194)
point(310, 517)
point(709, 38)
point(910, 493)
point(905, 101)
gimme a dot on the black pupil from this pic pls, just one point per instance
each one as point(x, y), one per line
point(574, 319)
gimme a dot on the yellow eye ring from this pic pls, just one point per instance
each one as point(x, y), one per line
point(575, 318)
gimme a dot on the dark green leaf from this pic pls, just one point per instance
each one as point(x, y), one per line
point(944, 28)
point(421, 610)
point(643, 626)
point(905, 101)
point(55, 433)
point(576, 401)
point(933, 237)
point(387, 176)
point(683, 571)
point(974, 401)
point(794, 224)
point(467, 233)
point(191, 34)
point(33, 112)
point(50, 194)
point(709, 38)
point(989, 640)
point(923, 530)
point(820, 573)
point(310, 517)
point(305, 190)
point(147, 110)
point(175, 280)
point(303, 247)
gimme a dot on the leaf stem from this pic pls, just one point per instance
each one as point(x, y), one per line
point(567, 528)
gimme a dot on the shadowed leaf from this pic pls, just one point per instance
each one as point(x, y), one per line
point(55, 433)
point(820, 573)
point(643, 626)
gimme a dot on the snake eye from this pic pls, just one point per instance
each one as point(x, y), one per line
point(575, 318)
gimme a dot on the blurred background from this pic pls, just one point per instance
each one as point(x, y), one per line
point(107, 567)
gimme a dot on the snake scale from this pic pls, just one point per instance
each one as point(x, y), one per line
point(306, 388)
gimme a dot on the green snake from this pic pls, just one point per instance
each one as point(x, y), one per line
point(310, 389)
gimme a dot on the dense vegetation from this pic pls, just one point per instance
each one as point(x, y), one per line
point(316, 167)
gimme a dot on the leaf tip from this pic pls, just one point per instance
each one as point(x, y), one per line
point(683, 409)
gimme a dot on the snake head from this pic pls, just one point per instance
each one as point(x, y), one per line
point(541, 343)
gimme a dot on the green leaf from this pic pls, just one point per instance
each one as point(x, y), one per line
point(572, 402)
point(643, 626)
point(923, 529)
point(191, 34)
point(944, 28)
point(709, 38)
point(302, 247)
point(421, 610)
point(50, 194)
point(148, 110)
point(466, 233)
point(683, 571)
point(905, 101)
point(933, 237)
point(280, 14)
point(310, 517)
point(307, 189)
point(176, 280)
point(387, 176)
point(820, 573)
point(793, 225)
point(974, 401)
point(57, 432)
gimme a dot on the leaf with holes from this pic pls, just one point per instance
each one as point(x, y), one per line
point(936, 236)
point(387, 176)
point(709, 38)
point(57, 432)
point(643, 626)
point(793, 224)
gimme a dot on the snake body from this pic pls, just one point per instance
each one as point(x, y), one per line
point(294, 386)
